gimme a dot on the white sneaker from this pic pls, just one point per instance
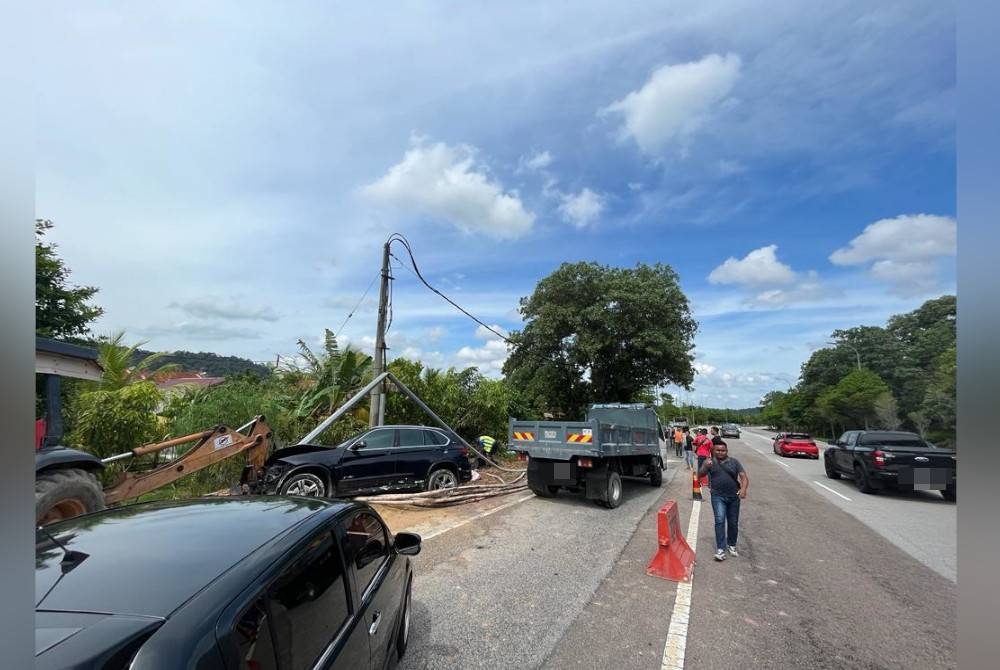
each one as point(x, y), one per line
point(720, 555)
point(733, 552)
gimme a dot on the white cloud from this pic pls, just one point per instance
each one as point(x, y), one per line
point(808, 288)
point(539, 161)
point(219, 308)
point(582, 208)
point(198, 331)
point(909, 237)
point(489, 358)
point(435, 334)
point(447, 183)
point(676, 101)
point(704, 368)
point(903, 249)
point(760, 267)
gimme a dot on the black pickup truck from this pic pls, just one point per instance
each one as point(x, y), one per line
point(879, 458)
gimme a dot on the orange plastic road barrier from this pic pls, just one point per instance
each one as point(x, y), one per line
point(695, 487)
point(674, 558)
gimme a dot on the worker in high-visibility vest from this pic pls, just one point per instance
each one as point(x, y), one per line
point(489, 446)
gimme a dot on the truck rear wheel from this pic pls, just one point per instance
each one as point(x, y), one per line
point(656, 475)
point(64, 493)
point(613, 494)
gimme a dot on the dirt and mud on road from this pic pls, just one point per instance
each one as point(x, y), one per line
point(433, 521)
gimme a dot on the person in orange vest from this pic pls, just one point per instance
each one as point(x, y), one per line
point(678, 441)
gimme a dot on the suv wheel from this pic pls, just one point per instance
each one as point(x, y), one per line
point(831, 471)
point(304, 484)
point(442, 478)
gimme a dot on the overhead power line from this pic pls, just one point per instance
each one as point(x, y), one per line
point(363, 296)
point(396, 237)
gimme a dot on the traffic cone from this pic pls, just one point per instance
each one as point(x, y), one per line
point(695, 487)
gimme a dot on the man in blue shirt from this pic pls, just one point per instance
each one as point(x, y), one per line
point(729, 483)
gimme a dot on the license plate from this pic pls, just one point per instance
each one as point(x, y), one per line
point(925, 479)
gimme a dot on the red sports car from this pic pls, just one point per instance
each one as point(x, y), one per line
point(795, 444)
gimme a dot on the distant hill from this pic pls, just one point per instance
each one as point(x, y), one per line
point(211, 364)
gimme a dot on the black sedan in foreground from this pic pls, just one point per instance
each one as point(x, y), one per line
point(235, 584)
point(386, 458)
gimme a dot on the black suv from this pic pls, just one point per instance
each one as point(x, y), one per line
point(215, 583)
point(387, 458)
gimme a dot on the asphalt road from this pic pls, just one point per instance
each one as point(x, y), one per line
point(921, 523)
point(562, 584)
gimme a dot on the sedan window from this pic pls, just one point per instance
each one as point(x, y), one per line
point(367, 547)
point(253, 638)
point(308, 604)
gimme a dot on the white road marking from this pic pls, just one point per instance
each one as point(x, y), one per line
point(673, 650)
point(461, 523)
point(782, 463)
point(832, 491)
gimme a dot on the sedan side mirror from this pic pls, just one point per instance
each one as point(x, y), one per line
point(407, 544)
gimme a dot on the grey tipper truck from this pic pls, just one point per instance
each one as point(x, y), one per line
point(592, 455)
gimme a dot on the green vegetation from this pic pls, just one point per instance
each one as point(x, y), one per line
point(901, 376)
point(601, 334)
point(61, 310)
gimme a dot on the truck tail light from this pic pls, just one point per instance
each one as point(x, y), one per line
point(879, 457)
point(521, 456)
point(585, 462)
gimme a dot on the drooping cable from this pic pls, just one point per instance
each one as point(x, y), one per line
point(396, 237)
point(363, 296)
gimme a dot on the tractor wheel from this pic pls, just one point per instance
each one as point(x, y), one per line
point(64, 493)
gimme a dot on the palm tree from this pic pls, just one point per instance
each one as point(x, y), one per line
point(119, 371)
point(337, 376)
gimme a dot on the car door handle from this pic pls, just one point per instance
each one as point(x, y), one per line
point(376, 620)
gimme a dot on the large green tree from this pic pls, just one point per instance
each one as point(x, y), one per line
point(61, 309)
point(598, 333)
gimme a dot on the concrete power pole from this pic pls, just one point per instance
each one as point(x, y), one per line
point(376, 414)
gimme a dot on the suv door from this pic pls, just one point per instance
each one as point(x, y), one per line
point(301, 619)
point(418, 449)
point(378, 586)
point(369, 466)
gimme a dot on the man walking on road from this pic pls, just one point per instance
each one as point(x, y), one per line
point(729, 483)
point(678, 440)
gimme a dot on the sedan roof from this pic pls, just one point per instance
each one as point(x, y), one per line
point(148, 559)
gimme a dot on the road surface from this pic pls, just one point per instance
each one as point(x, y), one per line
point(562, 584)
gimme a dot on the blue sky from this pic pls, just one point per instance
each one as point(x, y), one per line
point(227, 175)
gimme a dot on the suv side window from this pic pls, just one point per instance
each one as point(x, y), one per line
point(852, 438)
point(308, 604)
point(411, 437)
point(381, 438)
point(434, 437)
point(367, 547)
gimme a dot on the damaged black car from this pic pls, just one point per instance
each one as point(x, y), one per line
point(382, 459)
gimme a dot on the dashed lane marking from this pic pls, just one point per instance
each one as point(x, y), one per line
point(782, 463)
point(832, 491)
point(673, 650)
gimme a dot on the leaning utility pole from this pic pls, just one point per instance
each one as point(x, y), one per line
point(376, 413)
